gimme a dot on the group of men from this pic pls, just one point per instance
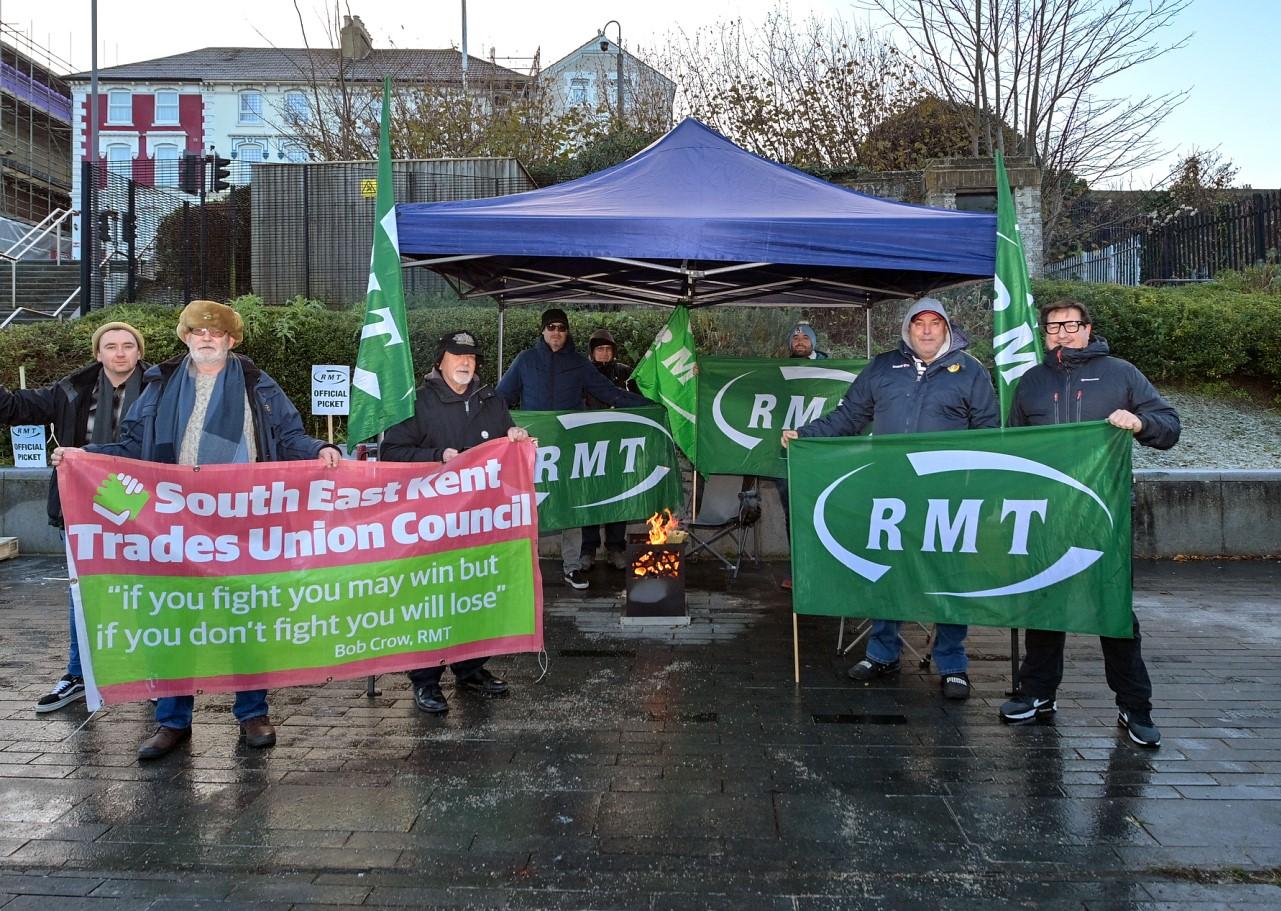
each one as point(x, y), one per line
point(929, 383)
point(213, 406)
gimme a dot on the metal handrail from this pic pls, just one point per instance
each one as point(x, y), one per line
point(57, 314)
point(23, 245)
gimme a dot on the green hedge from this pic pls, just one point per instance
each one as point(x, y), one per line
point(1190, 335)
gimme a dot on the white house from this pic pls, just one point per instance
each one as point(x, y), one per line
point(588, 76)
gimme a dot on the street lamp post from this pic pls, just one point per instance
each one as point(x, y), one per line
point(604, 46)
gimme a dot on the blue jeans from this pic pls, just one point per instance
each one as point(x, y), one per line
point(73, 653)
point(949, 655)
point(175, 711)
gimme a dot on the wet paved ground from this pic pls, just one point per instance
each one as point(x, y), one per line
point(670, 770)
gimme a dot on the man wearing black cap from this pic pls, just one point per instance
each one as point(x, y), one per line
point(553, 376)
point(453, 411)
point(603, 355)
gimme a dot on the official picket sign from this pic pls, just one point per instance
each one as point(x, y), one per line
point(330, 389)
point(745, 404)
point(28, 446)
point(1024, 528)
point(611, 465)
point(234, 577)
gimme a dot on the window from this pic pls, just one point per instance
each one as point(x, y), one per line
point(295, 152)
point(247, 154)
point(166, 107)
point(578, 91)
point(120, 160)
point(981, 201)
point(251, 107)
point(166, 165)
point(119, 106)
point(296, 107)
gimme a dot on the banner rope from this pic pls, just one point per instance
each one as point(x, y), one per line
point(544, 664)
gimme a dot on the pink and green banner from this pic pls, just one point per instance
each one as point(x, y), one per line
point(220, 578)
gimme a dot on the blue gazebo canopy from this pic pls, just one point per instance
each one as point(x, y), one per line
point(696, 219)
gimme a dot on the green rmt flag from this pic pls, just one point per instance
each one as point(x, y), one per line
point(1016, 345)
point(666, 375)
point(383, 382)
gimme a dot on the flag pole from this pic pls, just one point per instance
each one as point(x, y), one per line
point(796, 650)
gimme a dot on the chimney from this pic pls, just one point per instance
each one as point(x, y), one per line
point(355, 39)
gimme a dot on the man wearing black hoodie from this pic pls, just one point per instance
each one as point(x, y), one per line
point(453, 411)
point(85, 406)
point(927, 383)
point(1078, 381)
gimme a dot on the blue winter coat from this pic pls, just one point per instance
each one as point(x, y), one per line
point(542, 380)
point(278, 429)
point(954, 393)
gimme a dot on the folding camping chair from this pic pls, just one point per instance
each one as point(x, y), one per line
point(727, 506)
point(864, 629)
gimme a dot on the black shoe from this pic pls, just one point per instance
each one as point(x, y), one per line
point(163, 742)
point(1140, 727)
point(66, 691)
point(956, 686)
point(430, 699)
point(868, 670)
point(482, 681)
point(576, 579)
point(1027, 709)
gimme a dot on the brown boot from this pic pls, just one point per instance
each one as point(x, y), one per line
point(162, 742)
point(258, 732)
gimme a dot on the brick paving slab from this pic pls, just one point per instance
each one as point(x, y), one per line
point(669, 769)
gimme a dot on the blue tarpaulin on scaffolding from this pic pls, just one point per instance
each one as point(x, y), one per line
point(695, 218)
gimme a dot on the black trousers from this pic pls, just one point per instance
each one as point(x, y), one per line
point(615, 537)
point(1127, 675)
point(432, 675)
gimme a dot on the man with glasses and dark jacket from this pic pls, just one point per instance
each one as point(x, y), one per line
point(1079, 381)
point(553, 376)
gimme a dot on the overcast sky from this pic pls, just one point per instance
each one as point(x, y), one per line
point(1232, 63)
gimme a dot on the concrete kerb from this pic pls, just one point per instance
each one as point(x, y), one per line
point(1183, 512)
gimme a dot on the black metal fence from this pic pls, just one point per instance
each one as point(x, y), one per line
point(293, 229)
point(1190, 247)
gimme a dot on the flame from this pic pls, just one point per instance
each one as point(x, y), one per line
point(657, 563)
point(661, 526)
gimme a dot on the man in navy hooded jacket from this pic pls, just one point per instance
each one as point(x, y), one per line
point(928, 383)
point(553, 376)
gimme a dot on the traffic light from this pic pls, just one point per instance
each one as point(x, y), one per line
point(190, 173)
point(221, 173)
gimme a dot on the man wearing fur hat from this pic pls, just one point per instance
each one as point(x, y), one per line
point(928, 383)
point(453, 412)
point(84, 406)
point(211, 407)
point(553, 376)
point(603, 352)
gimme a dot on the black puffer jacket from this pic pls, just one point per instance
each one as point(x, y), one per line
point(1085, 384)
point(65, 405)
point(443, 419)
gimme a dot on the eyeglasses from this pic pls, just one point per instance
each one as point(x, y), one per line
point(557, 327)
point(1067, 325)
point(203, 331)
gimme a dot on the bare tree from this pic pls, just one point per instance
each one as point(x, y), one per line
point(1042, 67)
point(805, 93)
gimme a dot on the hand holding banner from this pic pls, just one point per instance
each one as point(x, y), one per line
point(233, 577)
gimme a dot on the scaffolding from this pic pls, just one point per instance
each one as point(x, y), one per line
point(35, 129)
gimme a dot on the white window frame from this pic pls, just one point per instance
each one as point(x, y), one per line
point(163, 176)
point(301, 112)
point(295, 152)
point(244, 170)
point(121, 167)
point(167, 121)
point(247, 115)
point(114, 104)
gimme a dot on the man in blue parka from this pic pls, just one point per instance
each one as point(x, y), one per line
point(553, 376)
point(211, 407)
point(927, 383)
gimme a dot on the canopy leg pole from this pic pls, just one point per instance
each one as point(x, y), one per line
point(501, 324)
point(867, 316)
point(796, 651)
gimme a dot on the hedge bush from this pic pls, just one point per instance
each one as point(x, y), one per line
point(1190, 335)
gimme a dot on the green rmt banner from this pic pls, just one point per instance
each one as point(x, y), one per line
point(1026, 528)
point(744, 405)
